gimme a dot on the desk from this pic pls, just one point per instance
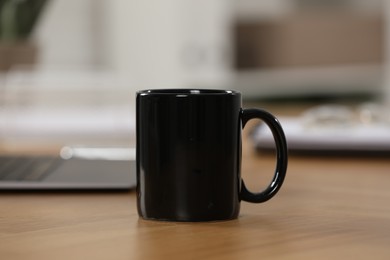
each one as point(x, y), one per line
point(329, 208)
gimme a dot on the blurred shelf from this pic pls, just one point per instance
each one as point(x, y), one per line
point(310, 81)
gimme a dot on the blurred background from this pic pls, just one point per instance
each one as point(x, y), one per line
point(62, 58)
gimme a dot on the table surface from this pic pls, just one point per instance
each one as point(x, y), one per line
point(329, 207)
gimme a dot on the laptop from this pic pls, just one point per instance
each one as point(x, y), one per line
point(50, 108)
point(326, 137)
point(74, 168)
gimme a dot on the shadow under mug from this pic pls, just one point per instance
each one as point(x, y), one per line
point(189, 154)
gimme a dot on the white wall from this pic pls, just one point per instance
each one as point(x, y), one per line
point(156, 44)
point(171, 43)
point(66, 34)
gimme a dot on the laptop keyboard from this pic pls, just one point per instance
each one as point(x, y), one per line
point(26, 168)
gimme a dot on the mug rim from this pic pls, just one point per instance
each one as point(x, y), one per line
point(187, 91)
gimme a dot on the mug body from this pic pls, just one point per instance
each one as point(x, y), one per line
point(188, 154)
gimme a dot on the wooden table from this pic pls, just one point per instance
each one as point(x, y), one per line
point(329, 208)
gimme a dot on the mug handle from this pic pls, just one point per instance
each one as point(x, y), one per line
point(281, 155)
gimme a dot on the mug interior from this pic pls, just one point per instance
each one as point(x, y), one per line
point(188, 92)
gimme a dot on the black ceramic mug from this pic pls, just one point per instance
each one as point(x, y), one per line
point(189, 154)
